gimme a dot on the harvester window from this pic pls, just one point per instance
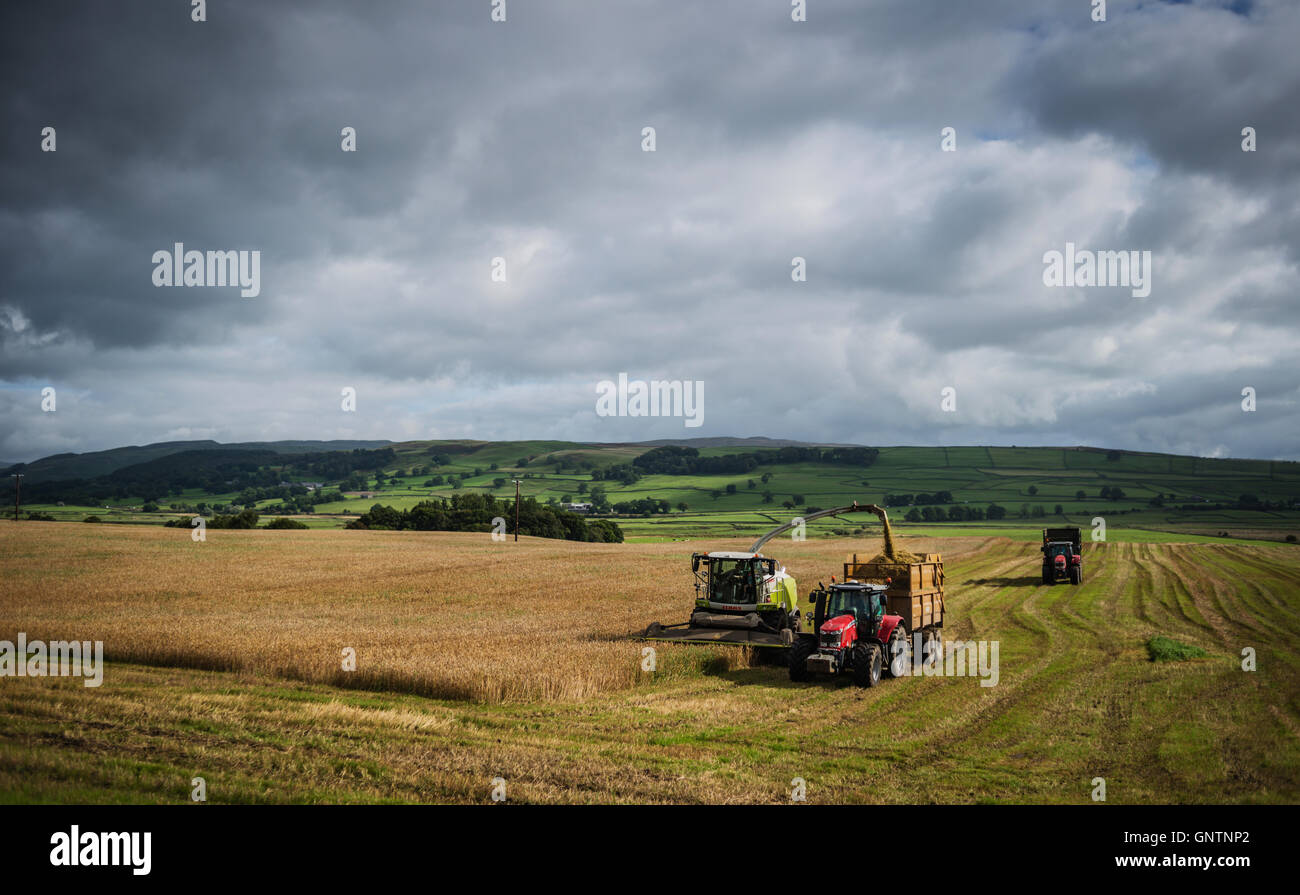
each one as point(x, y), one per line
point(733, 581)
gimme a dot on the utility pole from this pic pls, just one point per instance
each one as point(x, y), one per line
point(18, 490)
point(516, 511)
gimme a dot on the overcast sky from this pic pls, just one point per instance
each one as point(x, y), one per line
point(774, 139)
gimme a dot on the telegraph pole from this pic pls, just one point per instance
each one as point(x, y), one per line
point(516, 511)
point(18, 490)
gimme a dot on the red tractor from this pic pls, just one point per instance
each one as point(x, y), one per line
point(1062, 555)
point(853, 632)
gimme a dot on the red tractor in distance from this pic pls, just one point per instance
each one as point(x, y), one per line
point(853, 632)
point(1062, 555)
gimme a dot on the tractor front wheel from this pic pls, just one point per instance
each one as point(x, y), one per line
point(867, 664)
point(1076, 575)
point(799, 654)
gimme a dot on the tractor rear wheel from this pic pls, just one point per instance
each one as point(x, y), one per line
point(799, 654)
point(898, 654)
point(1076, 575)
point(866, 665)
point(1048, 577)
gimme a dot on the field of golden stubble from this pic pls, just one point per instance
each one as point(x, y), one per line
point(444, 614)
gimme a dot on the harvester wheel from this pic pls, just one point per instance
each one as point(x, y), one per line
point(799, 654)
point(866, 665)
point(899, 652)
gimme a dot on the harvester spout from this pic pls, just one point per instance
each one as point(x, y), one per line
point(854, 507)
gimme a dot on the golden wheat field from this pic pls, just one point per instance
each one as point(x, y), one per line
point(444, 614)
point(478, 659)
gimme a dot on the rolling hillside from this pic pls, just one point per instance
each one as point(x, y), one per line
point(928, 486)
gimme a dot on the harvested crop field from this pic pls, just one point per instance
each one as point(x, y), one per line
point(478, 659)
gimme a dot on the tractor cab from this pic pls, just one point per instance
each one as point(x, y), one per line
point(836, 607)
point(1059, 552)
point(864, 603)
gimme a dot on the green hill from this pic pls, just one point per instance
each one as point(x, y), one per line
point(764, 482)
point(92, 464)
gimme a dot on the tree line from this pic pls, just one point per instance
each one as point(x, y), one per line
point(476, 512)
point(675, 460)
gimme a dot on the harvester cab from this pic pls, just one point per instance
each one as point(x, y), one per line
point(743, 590)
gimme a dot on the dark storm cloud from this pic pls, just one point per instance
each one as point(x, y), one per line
point(775, 140)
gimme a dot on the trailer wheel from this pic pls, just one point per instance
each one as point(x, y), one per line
point(799, 654)
point(898, 656)
point(866, 665)
point(932, 643)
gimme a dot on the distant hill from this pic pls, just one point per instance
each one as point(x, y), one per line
point(745, 482)
point(90, 465)
point(754, 441)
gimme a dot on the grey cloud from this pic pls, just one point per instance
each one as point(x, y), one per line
point(775, 140)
